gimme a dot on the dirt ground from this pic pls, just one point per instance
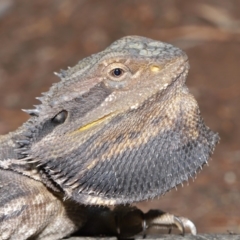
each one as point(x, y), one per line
point(40, 37)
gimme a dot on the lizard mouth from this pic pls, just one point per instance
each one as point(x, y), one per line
point(92, 124)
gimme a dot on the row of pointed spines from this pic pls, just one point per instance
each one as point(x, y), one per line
point(29, 127)
point(62, 73)
point(37, 108)
point(45, 95)
point(26, 138)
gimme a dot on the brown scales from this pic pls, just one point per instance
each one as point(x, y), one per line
point(119, 127)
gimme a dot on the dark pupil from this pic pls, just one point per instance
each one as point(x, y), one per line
point(117, 72)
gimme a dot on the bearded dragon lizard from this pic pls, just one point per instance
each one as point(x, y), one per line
point(120, 127)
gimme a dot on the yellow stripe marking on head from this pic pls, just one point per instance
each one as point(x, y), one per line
point(92, 124)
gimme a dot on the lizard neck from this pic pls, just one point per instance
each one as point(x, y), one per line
point(8, 144)
point(14, 144)
point(11, 146)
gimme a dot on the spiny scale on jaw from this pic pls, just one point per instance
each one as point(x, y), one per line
point(32, 112)
point(152, 139)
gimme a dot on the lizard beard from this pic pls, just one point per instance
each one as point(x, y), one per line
point(139, 157)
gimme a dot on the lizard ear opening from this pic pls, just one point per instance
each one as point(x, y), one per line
point(60, 117)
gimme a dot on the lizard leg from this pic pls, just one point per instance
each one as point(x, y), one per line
point(128, 221)
point(28, 209)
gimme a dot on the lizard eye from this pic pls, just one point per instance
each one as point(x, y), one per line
point(117, 72)
point(117, 75)
point(60, 117)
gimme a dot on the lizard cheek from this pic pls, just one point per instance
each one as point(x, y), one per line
point(116, 85)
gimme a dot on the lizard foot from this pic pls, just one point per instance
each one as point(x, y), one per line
point(133, 221)
point(159, 219)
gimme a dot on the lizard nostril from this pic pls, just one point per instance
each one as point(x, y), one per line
point(60, 117)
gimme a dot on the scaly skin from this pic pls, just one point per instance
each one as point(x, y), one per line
point(119, 127)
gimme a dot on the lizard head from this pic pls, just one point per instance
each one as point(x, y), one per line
point(120, 126)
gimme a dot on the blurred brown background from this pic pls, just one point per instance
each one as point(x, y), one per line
point(39, 37)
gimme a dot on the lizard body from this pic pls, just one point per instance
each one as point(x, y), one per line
point(120, 127)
